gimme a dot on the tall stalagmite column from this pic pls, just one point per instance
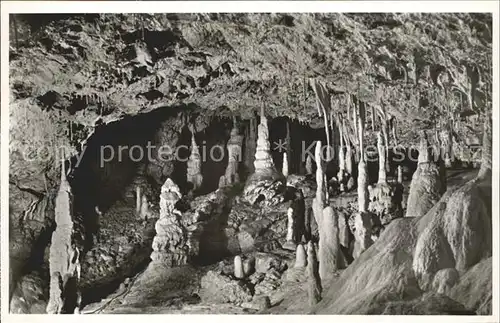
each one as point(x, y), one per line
point(194, 164)
point(331, 258)
point(341, 173)
point(382, 178)
point(170, 242)
point(65, 250)
point(234, 146)
point(320, 199)
point(264, 164)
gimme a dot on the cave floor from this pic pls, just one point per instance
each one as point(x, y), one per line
point(162, 290)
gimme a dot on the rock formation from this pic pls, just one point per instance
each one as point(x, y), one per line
point(264, 164)
point(314, 288)
point(291, 227)
point(400, 174)
point(284, 169)
point(320, 199)
point(170, 243)
point(234, 150)
point(309, 165)
point(266, 183)
point(330, 255)
point(238, 268)
point(65, 253)
point(382, 178)
point(300, 257)
point(426, 185)
point(194, 175)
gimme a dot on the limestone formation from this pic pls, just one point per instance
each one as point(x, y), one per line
point(65, 251)
point(194, 175)
point(300, 257)
point(250, 145)
point(170, 243)
point(238, 268)
point(382, 178)
point(486, 151)
point(314, 288)
point(386, 201)
point(348, 160)
point(331, 257)
point(284, 169)
point(234, 148)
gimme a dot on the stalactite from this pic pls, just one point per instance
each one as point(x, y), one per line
point(289, 153)
point(138, 199)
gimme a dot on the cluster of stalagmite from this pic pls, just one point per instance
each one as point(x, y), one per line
point(65, 254)
point(234, 146)
point(194, 175)
point(170, 243)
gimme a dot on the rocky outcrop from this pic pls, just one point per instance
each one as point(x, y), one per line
point(218, 288)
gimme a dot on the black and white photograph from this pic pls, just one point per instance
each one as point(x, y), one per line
point(333, 162)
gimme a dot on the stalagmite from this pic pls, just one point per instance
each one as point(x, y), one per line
point(138, 199)
point(382, 178)
point(348, 159)
point(170, 242)
point(341, 172)
point(290, 235)
point(309, 165)
point(400, 174)
point(194, 164)
point(362, 234)
point(331, 258)
point(319, 200)
point(234, 146)
point(65, 251)
point(264, 164)
point(300, 257)
point(314, 288)
point(250, 146)
point(145, 212)
point(238, 268)
point(362, 218)
point(423, 150)
point(427, 185)
point(486, 152)
point(284, 170)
